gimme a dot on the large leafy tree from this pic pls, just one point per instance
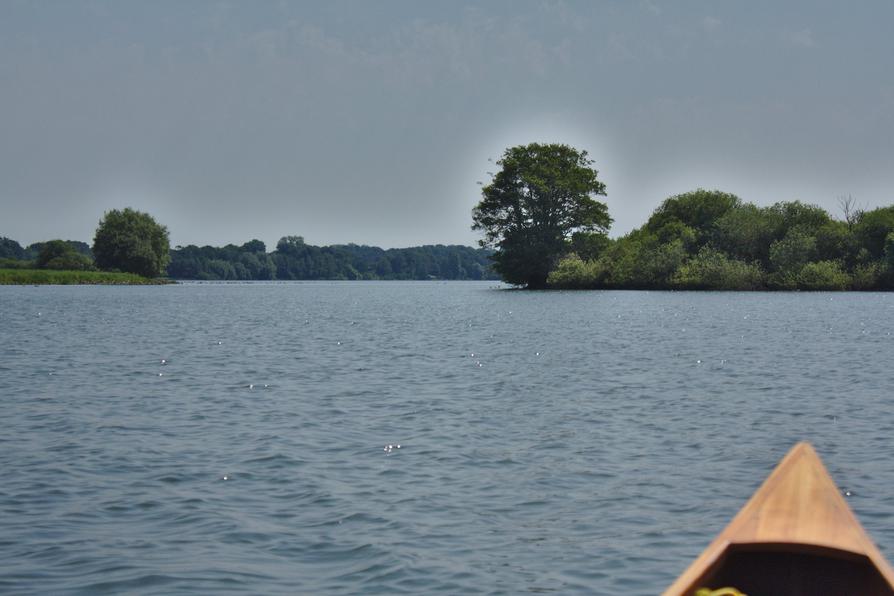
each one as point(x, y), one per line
point(541, 197)
point(131, 241)
point(10, 249)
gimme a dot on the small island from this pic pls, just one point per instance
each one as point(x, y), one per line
point(540, 216)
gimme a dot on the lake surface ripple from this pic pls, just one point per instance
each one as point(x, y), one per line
point(415, 438)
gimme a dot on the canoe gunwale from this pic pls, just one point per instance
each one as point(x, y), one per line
point(798, 548)
point(797, 511)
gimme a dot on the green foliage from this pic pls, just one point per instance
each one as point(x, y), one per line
point(77, 246)
point(294, 259)
point(674, 231)
point(746, 232)
point(713, 270)
point(640, 261)
point(49, 276)
point(60, 255)
point(823, 275)
point(867, 277)
point(255, 246)
point(873, 228)
point(572, 272)
point(835, 241)
point(889, 251)
point(133, 242)
point(795, 214)
point(10, 249)
point(790, 254)
point(589, 245)
point(529, 212)
point(230, 262)
point(699, 210)
point(787, 257)
point(16, 264)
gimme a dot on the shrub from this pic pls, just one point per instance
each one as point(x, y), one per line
point(60, 255)
point(866, 277)
point(713, 270)
point(823, 275)
point(572, 272)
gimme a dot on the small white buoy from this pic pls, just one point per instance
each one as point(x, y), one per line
point(226, 477)
point(163, 361)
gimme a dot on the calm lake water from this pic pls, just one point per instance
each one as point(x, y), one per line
point(415, 438)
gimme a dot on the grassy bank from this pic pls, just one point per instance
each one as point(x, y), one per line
point(58, 277)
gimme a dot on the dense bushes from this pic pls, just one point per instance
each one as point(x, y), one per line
point(710, 240)
point(59, 255)
point(713, 270)
point(574, 273)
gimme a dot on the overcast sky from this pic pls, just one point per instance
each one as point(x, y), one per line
point(372, 121)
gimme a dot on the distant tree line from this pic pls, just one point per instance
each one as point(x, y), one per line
point(126, 241)
point(711, 240)
point(293, 259)
point(52, 254)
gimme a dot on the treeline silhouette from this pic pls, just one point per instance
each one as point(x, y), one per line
point(294, 259)
point(711, 240)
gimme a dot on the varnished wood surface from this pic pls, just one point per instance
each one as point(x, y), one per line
point(798, 509)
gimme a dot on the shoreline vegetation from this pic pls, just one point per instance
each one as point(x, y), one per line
point(292, 259)
point(25, 277)
point(543, 228)
point(541, 216)
point(710, 240)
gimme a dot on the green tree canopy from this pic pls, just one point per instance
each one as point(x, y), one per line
point(795, 214)
point(541, 196)
point(873, 228)
point(59, 254)
point(133, 242)
point(254, 246)
point(699, 210)
point(10, 249)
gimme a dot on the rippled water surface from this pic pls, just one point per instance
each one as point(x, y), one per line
point(414, 438)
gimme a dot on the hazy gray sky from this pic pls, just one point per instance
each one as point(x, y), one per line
point(371, 121)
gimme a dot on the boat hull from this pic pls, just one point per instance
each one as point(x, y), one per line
point(795, 536)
